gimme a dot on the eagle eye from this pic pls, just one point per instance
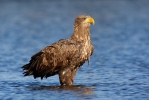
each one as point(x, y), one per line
point(84, 18)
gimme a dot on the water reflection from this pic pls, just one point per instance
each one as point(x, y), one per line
point(77, 89)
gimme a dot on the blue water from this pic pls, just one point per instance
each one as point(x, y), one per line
point(119, 66)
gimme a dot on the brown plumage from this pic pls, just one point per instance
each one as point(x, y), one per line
point(65, 56)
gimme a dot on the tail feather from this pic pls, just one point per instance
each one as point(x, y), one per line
point(41, 65)
point(27, 72)
point(25, 67)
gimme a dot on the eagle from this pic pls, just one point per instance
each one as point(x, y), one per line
point(64, 57)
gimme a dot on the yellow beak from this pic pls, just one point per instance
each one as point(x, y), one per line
point(90, 20)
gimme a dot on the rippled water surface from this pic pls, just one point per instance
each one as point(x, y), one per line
point(119, 67)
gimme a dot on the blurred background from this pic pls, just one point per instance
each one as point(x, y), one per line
point(119, 66)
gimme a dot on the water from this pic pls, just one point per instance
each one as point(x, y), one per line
point(119, 67)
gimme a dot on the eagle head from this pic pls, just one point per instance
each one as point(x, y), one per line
point(84, 20)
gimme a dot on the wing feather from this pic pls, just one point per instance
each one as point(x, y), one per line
point(52, 59)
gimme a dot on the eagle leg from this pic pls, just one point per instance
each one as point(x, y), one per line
point(67, 76)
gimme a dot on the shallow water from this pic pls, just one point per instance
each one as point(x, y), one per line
point(119, 67)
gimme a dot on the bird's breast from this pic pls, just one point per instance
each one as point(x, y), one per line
point(86, 51)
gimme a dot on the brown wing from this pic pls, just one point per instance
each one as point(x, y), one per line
point(52, 59)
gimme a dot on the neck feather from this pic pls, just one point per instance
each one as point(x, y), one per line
point(81, 32)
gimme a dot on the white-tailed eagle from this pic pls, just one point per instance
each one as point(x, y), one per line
point(64, 57)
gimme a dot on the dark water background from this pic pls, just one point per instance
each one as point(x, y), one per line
point(119, 67)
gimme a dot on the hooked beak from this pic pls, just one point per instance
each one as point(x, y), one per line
point(90, 20)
